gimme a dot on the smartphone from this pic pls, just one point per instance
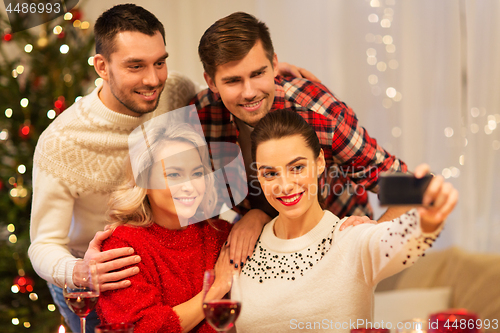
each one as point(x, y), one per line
point(400, 188)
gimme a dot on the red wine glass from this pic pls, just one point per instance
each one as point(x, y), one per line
point(81, 288)
point(221, 313)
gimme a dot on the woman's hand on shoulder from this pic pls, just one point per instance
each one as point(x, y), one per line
point(224, 271)
point(439, 199)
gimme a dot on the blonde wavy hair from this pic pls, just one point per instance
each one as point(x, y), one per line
point(129, 203)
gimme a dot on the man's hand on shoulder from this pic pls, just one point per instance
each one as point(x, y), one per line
point(356, 220)
point(109, 262)
point(286, 69)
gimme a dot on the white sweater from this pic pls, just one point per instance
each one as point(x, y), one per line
point(325, 279)
point(78, 160)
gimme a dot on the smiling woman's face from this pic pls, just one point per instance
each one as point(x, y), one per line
point(288, 173)
point(182, 174)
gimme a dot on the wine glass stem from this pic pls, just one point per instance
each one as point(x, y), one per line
point(82, 324)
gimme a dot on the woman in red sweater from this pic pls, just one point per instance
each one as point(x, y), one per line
point(155, 213)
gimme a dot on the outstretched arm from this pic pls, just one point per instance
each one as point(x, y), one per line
point(439, 200)
point(393, 212)
point(389, 247)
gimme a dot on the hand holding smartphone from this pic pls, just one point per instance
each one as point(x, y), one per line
point(402, 188)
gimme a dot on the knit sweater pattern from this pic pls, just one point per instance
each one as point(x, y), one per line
point(78, 161)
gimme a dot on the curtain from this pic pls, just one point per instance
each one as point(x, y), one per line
point(423, 76)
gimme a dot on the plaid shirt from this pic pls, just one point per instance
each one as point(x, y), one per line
point(353, 159)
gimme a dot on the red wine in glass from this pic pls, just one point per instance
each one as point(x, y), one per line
point(81, 303)
point(81, 288)
point(222, 314)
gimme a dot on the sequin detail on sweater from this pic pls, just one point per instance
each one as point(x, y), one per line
point(266, 264)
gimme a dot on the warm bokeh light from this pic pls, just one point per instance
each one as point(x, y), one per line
point(64, 49)
point(371, 52)
point(373, 18)
point(13, 239)
point(21, 169)
point(57, 30)
point(381, 66)
point(446, 173)
point(474, 128)
point(387, 39)
point(386, 103)
point(396, 132)
point(51, 114)
point(373, 79)
point(393, 64)
point(385, 23)
point(390, 92)
point(474, 112)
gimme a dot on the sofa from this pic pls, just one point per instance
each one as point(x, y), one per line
point(451, 278)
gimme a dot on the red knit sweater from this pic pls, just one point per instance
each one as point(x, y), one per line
point(171, 272)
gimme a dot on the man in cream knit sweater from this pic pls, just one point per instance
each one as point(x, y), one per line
point(80, 157)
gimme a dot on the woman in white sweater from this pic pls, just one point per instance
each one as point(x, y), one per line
point(305, 274)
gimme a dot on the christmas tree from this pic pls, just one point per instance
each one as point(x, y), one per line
point(42, 71)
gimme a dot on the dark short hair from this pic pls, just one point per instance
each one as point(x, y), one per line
point(284, 123)
point(127, 17)
point(230, 39)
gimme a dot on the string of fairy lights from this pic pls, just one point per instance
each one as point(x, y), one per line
point(382, 56)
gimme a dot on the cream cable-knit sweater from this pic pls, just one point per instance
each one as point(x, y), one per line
point(78, 160)
point(324, 280)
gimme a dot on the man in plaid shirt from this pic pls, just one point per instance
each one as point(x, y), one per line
point(241, 72)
